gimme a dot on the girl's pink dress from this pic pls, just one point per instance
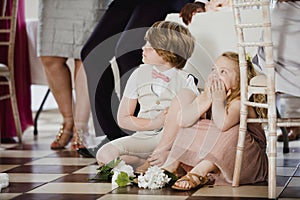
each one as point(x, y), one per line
point(204, 141)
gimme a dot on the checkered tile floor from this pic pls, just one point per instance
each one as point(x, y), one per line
point(36, 172)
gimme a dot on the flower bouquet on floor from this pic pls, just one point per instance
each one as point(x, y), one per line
point(156, 178)
point(122, 175)
point(116, 171)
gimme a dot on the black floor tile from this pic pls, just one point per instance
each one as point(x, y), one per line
point(35, 146)
point(288, 162)
point(46, 196)
point(78, 178)
point(20, 187)
point(140, 191)
point(281, 180)
point(15, 161)
point(65, 154)
point(291, 192)
point(44, 169)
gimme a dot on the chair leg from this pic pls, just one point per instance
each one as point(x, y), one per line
point(15, 110)
point(35, 131)
point(240, 146)
point(284, 131)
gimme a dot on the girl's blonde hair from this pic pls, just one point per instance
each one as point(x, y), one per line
point(172, 41)
point(236, 92)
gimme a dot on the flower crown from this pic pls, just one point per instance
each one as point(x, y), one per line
point(248, 57)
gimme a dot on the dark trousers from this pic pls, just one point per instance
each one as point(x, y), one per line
point(119, 33)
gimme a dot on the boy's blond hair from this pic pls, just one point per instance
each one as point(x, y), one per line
point(172, 41)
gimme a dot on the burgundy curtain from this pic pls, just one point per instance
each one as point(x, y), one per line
point(23, 82)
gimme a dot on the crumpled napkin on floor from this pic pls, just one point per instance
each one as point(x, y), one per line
point(4, 180)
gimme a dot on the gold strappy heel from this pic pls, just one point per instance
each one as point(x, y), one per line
point(77, 140)
point(62, 139)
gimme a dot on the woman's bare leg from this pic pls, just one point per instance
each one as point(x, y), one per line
point(60, 83)
point(82, 107)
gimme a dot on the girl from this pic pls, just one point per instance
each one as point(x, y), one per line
point(206, 147)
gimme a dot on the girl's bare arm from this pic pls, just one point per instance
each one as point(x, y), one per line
point(191, 112)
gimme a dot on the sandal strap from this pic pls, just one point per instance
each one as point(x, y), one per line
point(59, 135)
point(202, 179)
point(189, 178)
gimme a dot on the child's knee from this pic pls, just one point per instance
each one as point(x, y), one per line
point(107, 153)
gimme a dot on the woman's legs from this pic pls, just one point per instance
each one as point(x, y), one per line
point(59, 80)
point(82, 107)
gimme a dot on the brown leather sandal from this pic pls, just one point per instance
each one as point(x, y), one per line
point(192, 183)
point(62, 139)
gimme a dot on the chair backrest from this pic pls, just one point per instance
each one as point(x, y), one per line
point(213, 39)
point(8, 19)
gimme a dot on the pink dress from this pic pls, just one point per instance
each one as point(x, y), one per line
point(204, 141)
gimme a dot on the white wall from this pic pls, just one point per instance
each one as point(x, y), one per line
point(31, 9)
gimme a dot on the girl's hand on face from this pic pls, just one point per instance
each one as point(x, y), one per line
point(218, 92)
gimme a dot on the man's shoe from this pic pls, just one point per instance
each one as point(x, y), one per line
point(91, 152)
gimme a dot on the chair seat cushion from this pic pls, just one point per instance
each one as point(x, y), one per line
point(3, 67)
point(4, 71)
point(259, 81)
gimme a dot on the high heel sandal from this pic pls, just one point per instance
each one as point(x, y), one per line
point(60, 142)
point(77, 140)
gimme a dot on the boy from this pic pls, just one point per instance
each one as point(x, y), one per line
point(153, 85)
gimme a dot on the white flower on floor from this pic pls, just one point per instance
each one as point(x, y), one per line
point(4, 180)
point(122, 175)
point(154, 178)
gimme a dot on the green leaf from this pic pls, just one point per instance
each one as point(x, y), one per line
point(105, 172)
point(123, 179)
point(113, 163)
